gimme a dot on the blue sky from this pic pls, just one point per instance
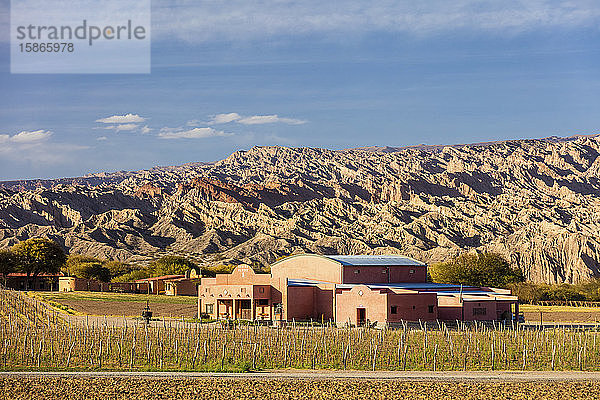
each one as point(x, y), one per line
point(230, 75)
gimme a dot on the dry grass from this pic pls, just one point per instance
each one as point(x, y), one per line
point(560, 313)
point(567, 309)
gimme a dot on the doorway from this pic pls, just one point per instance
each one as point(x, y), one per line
point(361, 316)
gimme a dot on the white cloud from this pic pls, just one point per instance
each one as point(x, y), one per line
point(35, 147)
point(146, 129)
point(29, 136)
point(252, 120)
point(225, 118)
point(125, 127)
point(101, 138)
point(269, 119)
point(122, 119)
point(121, 127)
point(194, 133)
point(195, 21)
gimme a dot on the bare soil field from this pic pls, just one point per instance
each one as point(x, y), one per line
point(93, 307)
point(228, 388)
point(95, 303)
point(560, 313)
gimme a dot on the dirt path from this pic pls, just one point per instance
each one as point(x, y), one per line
point(321, 385)
point(41, 388)
point(479, 376)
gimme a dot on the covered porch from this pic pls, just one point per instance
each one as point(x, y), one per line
point(244, 309)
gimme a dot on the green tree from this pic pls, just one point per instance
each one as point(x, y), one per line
point(8, 263)
point(221, 269)
point(172, 265)
point(39, 255)
point(74, 262)
point(91, 270)
point(118, 268)
point(133, 275)
point(485, 269)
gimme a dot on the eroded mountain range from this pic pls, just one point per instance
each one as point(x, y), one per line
point(537, 202)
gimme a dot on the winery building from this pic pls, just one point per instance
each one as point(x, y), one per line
point(349, 290)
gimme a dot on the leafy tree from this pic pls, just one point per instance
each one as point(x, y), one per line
point(118, 268)
point(8, 263)
point(74, 262)
point(172, 265)
point(91, 270)
point(39, 255)
point(221, 269)
point(534, 292)
point(564, 292)
point(133, 275)
point(528, 292)
point(486, 269)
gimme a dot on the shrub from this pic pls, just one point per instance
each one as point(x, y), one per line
point(485, 269)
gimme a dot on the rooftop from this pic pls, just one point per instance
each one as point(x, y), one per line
point(469, 293)
point(362, 260)
point(161, 278)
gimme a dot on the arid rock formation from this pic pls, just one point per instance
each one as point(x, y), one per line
point(535, 201)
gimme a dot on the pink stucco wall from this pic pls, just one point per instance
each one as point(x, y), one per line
point(412, 307)
point(308, 266)
point(384, 274)
point(373, 301)
point(300, 302)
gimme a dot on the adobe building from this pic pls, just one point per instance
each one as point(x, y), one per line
point(352, 290)
point(155, 285)
point(72, 284)
point(42, 282)
point(181, 287)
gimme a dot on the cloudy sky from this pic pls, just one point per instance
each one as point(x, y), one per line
point(228, 75)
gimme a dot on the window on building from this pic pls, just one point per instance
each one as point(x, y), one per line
point(430, 309)
point(384, 271)
point(263, 302)
point(479, 311)
point(357, 271)
point(412, 271)
point(243, 290)
point(209, 308)
point(261, 290)
point(394, 310)
point(414, 307)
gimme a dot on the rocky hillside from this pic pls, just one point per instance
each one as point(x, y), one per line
point(535, 201)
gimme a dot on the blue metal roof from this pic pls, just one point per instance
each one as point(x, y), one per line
point(306, 282)
point(362, 260)
point(445, 287)
point(410, 286)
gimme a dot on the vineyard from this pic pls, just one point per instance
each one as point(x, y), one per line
point(35, 337)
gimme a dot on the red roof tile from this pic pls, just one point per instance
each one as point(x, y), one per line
point(161, 278)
